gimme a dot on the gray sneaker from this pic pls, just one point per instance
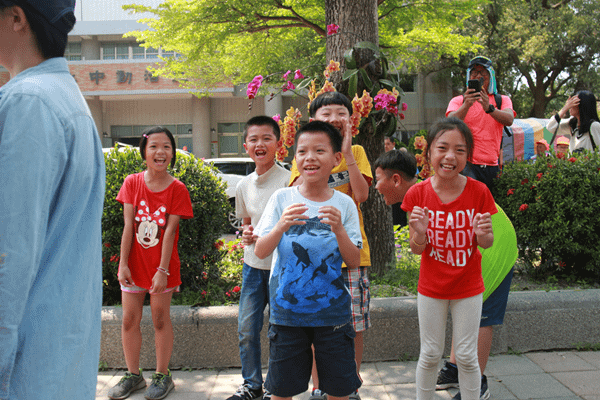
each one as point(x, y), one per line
point(128, 384)
point(160, 387)
point(317, 394)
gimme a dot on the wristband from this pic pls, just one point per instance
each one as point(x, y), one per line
point(419, 244)
point(164, 271)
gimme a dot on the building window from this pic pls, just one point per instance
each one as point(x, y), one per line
point(115, 51)
point(133, 51)
point(130, 134)
point(231, 139)
point(73, 51)
point(407, 83)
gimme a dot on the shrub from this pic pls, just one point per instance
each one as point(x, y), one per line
point(554, 205)
point(405, 273)
point(197, 236)
point(220, 285)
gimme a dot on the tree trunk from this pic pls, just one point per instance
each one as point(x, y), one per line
point(358, 21)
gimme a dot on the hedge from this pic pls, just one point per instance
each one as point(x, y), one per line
point(554, 205)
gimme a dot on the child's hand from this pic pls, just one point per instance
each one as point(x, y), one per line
point(248, 236)
point(159, 283)
point(332, 217)
point(346, 136)
point(292, 215)
point(124, 276)
point(419, 220)
point(482, 224)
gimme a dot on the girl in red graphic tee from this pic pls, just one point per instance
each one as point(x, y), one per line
point(449, 216)
point(153, 203)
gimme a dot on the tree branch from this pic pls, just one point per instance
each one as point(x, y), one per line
point(269, 27)
point(554, 6)
point(304, 21)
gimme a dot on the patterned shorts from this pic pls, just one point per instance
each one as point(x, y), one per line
point(357, 282)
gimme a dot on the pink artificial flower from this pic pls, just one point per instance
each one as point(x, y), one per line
point(254, 86)
point(298, 75)
point(285, 76)
point(332, 29)
point(277, 117)
point(404, 106)
point(401, 115)
point(392, 110)
point(289, 86)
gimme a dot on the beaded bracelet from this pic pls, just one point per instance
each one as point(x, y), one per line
point(352, 163)
point(161, 269)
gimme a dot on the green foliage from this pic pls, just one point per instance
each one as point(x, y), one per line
point(554, 206)
point(197, 236)
point(219, 41)
point(102, 366)
point(221, 283)
point(405, 275)
point(584, 346)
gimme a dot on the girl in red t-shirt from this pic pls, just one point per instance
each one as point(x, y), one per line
point(153, 203)
point(449, 216)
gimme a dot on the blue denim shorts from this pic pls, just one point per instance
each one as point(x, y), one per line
point(290, 360)
point(494, 307)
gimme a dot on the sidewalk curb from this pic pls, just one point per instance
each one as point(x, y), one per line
point(207, 336)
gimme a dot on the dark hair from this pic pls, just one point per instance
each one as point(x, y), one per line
point(448, 124)
point(262, 120)
point(588, 112)
point(329, 98)
point(51, 38)
point(157, 129)
point(335, 137)
point(398, 161)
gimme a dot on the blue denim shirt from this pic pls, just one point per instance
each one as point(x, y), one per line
point(52, 181)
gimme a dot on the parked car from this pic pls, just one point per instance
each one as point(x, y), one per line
point(233, 170)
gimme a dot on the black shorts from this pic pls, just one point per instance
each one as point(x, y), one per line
point(290, 360)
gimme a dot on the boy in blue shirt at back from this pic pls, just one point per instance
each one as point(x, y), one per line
point(311, 229)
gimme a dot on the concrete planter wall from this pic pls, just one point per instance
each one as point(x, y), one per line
point(207, 336)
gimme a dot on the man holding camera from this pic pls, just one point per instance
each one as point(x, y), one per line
point(480, 110)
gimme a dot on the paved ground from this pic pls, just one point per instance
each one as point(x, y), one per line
point(564, 375)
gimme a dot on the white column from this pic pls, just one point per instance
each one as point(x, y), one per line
point(274, 106)
point(201, 125)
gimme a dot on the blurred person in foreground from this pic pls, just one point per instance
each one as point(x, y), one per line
point(50, 211)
